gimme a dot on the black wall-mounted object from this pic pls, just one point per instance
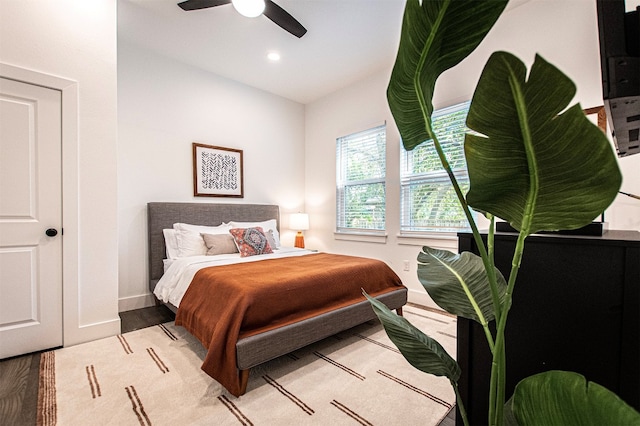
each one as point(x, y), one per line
point(576, 307)
point(619, 35)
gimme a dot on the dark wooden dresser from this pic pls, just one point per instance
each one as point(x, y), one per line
point(576, 307)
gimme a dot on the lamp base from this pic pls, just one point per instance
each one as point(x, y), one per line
point(299, 240)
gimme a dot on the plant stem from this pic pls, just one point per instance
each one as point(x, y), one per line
point(498, 378)
point(426, 116)
point(491, 270)
point(463, 412)
point(488, 264)
point(487, 260)
point(490, 238)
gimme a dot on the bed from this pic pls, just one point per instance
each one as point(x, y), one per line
point(252, 349)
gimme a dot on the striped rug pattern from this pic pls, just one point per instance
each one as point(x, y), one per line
point(153, 377)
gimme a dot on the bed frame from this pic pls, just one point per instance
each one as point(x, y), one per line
point(260, 348)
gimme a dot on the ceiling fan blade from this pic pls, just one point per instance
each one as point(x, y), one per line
point(201, 4)
point(282, 18)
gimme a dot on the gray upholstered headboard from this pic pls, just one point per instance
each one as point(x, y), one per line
point(163, 215)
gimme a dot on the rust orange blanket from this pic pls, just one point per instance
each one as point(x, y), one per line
point(226, 303)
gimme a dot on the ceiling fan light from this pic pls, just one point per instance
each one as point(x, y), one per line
point(249, 8)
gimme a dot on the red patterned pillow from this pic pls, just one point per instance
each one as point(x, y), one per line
point(251, 241)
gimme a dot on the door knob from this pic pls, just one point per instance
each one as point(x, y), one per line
point(51, 232)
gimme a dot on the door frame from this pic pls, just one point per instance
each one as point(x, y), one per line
point(70, 184)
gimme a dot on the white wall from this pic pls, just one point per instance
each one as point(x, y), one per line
point(563, 32)
point(163, 107)
point(77, 41)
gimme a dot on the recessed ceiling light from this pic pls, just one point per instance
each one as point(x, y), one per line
point(273, 56)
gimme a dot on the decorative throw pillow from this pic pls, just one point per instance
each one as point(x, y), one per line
point(219, 244)
point(271, 238)
point(266, 225)
point(251, 241)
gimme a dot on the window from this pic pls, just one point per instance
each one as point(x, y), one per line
point(428, 200)
point(360, 189)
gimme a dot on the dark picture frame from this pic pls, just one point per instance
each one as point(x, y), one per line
point(217, 171)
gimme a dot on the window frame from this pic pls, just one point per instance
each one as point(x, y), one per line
point(343, 184)
point(438, 176)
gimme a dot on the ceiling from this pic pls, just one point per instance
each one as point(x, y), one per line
point(346, 41)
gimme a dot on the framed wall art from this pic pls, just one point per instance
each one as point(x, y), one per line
point(217, 171)
point(598, 115)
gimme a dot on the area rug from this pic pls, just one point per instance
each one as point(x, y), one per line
point(153, 377)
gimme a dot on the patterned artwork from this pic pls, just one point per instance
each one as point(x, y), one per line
point(217, 171)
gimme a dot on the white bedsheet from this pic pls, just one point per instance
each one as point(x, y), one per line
point(177, 277)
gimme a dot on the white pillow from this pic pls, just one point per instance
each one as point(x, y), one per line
point(190, 241)
point(167, 263)
point(265, 225)
point(170, 243)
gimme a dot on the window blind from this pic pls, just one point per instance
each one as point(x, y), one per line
point(428, 200)
point(360, 188)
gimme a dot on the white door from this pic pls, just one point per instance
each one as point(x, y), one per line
point(30, 215)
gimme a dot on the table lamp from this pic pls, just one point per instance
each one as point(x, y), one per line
point(299, 222)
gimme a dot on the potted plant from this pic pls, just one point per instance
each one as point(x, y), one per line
point(520, 125)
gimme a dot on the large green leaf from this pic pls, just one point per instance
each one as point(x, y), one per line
point(458, 283)
point(532, 165)
point(436, 35)
point(423, 352)
point(565, 398)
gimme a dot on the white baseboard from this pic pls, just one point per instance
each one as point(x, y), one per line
point(136, 302)
point(420, 297)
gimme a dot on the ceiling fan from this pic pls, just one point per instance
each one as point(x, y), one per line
point(264, 7)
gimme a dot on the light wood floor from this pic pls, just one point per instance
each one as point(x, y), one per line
point(19, 375)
